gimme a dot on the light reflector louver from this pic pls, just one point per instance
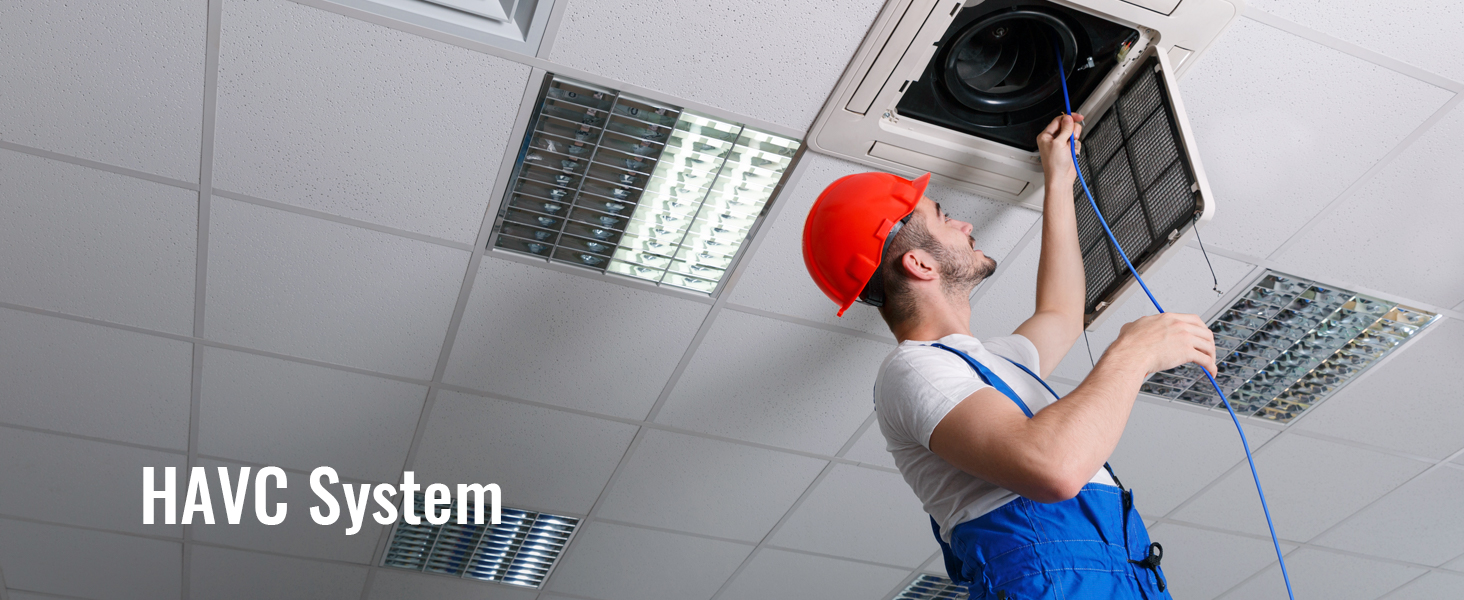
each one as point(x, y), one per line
point(520, 550)
point(932, 587)
point(625, 185)
point(1287, 344)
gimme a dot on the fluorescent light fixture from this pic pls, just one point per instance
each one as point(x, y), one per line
point(520, 551)
point(625, 185)
point(1287, 344)
point(932, 587)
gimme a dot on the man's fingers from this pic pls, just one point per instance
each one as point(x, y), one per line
point(1053, 127)
point(1065, 131)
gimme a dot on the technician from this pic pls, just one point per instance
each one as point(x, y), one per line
point(1015, 481)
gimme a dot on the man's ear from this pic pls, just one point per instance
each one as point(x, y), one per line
point(919, 265)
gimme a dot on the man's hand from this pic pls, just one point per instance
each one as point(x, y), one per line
point(1052, 143)
point(1162, 342)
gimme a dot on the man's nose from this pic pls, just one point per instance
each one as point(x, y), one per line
point(966, 228)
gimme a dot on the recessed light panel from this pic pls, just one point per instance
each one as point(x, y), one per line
point(932, 587)
point(520, 550)
point(625, 185)
point(1287, 344)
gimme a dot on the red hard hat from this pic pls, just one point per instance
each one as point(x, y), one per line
point(845, 233)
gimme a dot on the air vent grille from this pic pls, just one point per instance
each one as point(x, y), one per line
point(932, 587)
point(619, 184)
point(1287, 344)
point(520, 550)
point(1141, 180)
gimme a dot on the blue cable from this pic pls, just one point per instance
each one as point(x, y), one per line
point(1245, 444)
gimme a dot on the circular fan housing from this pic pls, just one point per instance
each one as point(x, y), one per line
point(1006, 62)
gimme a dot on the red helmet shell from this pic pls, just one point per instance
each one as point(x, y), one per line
point(847, 226)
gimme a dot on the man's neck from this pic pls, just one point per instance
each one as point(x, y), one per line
point(935, 318)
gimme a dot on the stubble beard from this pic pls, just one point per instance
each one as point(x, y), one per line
point(960, 272)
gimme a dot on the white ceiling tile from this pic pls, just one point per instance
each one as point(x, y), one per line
point(777, 280)
point(862, 514)
point(1398, 227)
point(1403, 404)
point(317, 289)
point(616, 562)
point(870, 448)
point(707, 486)
point(115, 83)
point(1419, 522)
point(334, 114)
point(275, 412)
point(89, 564)
point(81, 482)
point(1432, 586)
point(92, 380)
point(391, 584)
point(1266, 107)
point(1321, 574)
point(781, 574)
point(1310, 485)
point(1200, 564)
point(767, 381)
point(542, 459)
point(769, 60)
point(552, 337)
point(299, 534)
point(220, 574)
point(96, 244)
point(1168, 454)
point(1182, 285)
point(1419, 33)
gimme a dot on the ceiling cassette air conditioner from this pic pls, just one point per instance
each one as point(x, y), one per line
point(960, 89)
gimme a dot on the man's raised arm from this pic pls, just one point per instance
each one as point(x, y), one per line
point(1058, 320)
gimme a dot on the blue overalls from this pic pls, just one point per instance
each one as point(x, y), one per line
point(1091, 546)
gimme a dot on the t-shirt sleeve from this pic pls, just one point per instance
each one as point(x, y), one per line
point(919, 387)
point(1018, 348)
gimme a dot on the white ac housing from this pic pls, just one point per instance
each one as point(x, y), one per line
point(861, 121)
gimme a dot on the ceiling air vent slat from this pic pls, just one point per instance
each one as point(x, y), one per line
point(932, 587)
point(521, 550)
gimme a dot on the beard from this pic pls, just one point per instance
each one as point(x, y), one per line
point(960, 272)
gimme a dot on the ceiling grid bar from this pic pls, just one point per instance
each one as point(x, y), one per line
point(200, 282)
point(100, 166)
point(324, 216)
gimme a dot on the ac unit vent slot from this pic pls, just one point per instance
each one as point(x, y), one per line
point(959, 170)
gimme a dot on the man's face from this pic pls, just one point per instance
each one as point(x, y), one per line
point(962, 265)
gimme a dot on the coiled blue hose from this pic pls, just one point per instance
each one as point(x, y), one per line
point(1072, 148)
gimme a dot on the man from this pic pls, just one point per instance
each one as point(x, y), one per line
point(1015, 481)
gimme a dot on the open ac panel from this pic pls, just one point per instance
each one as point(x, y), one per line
point(960, 89)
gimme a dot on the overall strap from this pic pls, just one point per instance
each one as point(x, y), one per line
point(994, 381)
point(991, 378)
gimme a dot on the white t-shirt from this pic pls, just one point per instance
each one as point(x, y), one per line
point(917, 385)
